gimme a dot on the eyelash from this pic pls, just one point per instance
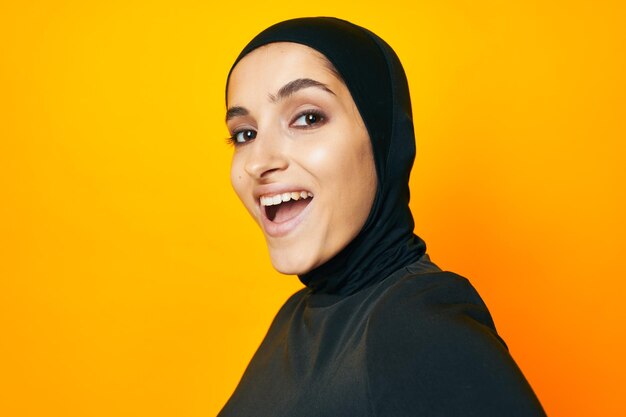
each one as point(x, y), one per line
point(233, 139)
point(316, 113)
point(320, 118)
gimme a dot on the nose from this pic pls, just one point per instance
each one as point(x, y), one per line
point(266, 156)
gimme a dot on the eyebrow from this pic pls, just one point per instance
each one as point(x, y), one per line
point(296, 85)
point(285, 91)
point(236, 111)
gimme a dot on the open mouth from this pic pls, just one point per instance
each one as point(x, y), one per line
point(281, 208)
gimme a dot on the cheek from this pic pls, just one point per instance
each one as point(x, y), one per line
point(355, 176)
point(340, 159)
point(329, 157)
point(321, 159)
point(237, 178)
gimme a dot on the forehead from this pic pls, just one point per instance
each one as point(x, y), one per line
point(271, 66)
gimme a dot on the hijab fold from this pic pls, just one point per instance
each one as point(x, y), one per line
point(375, 78)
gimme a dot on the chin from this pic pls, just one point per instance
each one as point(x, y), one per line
point(291, 263)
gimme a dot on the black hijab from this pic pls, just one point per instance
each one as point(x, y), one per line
point(375, 78)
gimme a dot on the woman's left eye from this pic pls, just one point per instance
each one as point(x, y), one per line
point(308, 119)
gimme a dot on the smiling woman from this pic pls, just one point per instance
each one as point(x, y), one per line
point(320, 117)
point(300, 143)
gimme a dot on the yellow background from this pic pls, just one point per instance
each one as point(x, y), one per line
point(133, 283)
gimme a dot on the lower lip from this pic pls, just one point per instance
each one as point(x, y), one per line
point(273, 229)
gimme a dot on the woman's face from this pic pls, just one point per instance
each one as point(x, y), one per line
point(303, 163)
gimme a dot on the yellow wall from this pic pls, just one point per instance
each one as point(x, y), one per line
point(132, 283)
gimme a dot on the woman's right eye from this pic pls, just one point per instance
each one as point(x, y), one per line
point(242, 136)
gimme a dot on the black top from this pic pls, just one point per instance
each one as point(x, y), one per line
point(419, 343)
point(379, 330)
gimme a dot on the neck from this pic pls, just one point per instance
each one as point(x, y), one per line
point(364, 262)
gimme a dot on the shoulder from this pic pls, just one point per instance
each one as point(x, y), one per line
point(432, 348)
point(419, 302)
point(432, 313)
point(284, 317)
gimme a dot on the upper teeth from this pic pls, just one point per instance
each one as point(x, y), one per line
point(272, 200)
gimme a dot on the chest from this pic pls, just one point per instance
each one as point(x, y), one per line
point(312, 363)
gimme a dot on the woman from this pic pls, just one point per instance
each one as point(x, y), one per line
point(320, 115)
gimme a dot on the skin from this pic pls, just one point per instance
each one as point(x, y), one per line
point(311, 138)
